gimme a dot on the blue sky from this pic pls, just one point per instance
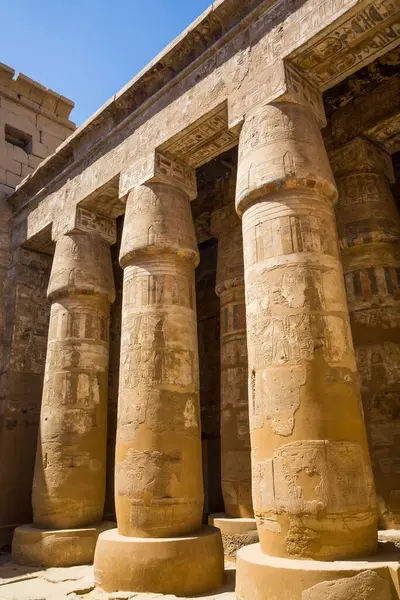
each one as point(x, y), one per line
point(87, 49)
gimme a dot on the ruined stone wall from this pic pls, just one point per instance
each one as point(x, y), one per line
point(33, 122)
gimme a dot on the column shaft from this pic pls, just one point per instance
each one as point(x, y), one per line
point(369, 233)
point(159, 545)
point(235, 435)
point(159, 489)
point(312, 484)
point(69, 480)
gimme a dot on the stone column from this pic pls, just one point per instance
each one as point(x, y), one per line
point(159, 545)
point(69, 480)
point(369, 234)
point(237, 525)
point(313, 489)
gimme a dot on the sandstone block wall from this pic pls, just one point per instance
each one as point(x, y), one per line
point(33, 114)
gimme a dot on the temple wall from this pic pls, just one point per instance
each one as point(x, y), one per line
point(25, 327)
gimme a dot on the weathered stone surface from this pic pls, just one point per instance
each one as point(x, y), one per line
point(365, 586)
point(264, 577)
point(235, 532)
point(69, 483)
point(56, 547)
point(24, 333)
point(248, 73)
point(159, 386)
point(303, 377)
point(158, 478)
point(235, 434)
point(185, 566)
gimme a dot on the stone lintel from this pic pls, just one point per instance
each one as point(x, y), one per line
point(360, 155)
point(81, 220)
point(375, 115)
point(158, 168)
point(386, 133)
point(279, 82)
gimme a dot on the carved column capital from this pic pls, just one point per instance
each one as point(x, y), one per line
point(81, 220)
point(281, 149)
point(82, 263)
point(157, 168)
point(361, 156)
point(158, 217)
point(279, 82)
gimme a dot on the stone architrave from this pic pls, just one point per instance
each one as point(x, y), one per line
point(237, 525)
point(160, 545)
point(69, 480)
point(313, 490)
point(369, 235)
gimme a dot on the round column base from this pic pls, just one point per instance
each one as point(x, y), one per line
point(235, 533)
point(263, 577)
point(389, 536)
point(38, 547)
point(182, 566)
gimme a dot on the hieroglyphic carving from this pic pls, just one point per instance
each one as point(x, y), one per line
point(89, 222)
point(310, 477)
point(280, 81)
point(204, 140)
point(263, 169)
point(159, 412)
point(159, 168)
point(69, 483)
point(386, 134)
point(299, 345)
point(84, 221)
point(357, 40)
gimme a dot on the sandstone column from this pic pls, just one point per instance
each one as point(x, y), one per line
point(313, 489)
point(159, 545)
point(69, 481)
point(237, 525)
point(369, 233)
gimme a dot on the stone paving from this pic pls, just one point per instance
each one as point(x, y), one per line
point(77, 583)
